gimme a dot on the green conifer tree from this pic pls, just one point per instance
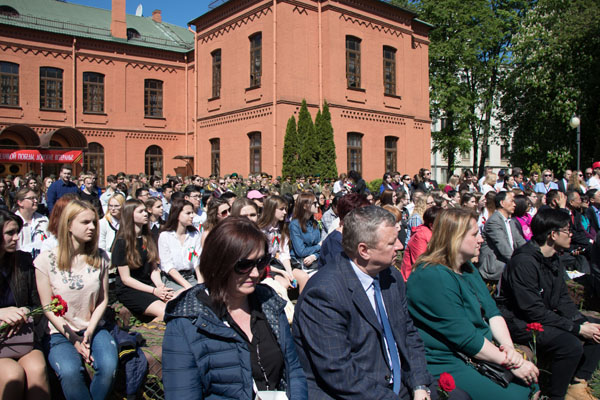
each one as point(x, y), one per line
point(291, 148)
point(327, 156)
point(308, 141)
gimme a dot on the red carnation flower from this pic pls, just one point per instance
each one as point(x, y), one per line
point(535, 326)
point(446, 382)
point(59, 306)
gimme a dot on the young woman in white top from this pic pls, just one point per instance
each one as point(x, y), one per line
point(179, 248)
point(109, 225)
point(78, 271)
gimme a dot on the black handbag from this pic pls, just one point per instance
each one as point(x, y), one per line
point(494, 372)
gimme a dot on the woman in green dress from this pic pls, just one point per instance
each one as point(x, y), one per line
point(454, 312)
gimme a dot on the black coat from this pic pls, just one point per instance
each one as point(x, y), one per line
point(533, 289)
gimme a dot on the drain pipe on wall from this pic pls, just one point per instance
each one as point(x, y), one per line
point(275, 88)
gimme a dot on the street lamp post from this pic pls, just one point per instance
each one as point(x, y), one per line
point(576, 123)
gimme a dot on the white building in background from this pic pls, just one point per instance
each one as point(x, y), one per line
point(497, 158)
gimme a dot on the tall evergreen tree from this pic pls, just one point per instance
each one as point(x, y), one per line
point(291, 147)
point(327, 156)
point(308, 141)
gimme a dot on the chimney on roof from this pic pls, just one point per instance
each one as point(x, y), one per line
point(118, 23)
point(156, 16)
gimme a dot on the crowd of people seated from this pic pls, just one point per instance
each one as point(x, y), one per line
point(395, 286)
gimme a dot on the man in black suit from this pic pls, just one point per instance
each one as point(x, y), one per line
point(354, 336)
point(593, 211)
point(563, 184)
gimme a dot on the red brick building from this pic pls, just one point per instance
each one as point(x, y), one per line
point(125, 89)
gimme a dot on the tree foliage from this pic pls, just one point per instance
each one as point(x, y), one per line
point(468, 60)
point(309, 146)
point(309, 149)
point(555, 74)
point(326, 160)
point(291, 148)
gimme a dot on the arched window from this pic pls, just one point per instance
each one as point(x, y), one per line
point(93, 92)
point(51, 88)
point(9, 84)
point(133, 34)
point(8, 11)
point(255, 59)
point(353, 62)
point(215, 157)
point(389, 70)
point(391, 153)
point(153, 98)
point(355, 151)
point(255, 152)
point(154, 161)
point(93, 160)
point(216, 73)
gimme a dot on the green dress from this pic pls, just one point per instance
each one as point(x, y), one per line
point(447, 308)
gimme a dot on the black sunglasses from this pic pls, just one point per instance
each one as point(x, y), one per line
point(244, 266)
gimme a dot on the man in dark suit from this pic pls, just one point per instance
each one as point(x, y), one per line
point(354, 336)
point(563, 184)
point(593, 211)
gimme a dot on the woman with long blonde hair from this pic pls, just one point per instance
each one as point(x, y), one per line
point(456, 316)
point(78, 271)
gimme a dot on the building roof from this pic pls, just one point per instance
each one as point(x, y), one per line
point(94, 23)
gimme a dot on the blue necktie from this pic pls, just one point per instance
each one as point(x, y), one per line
point(389, 337)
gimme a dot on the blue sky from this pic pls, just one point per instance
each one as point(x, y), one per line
point(178, 12)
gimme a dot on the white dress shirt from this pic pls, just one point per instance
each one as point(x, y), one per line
point(174, 254)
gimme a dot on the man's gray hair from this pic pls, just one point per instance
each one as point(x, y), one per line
point(362, 224)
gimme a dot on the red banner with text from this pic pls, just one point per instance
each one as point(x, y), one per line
point(42, 156)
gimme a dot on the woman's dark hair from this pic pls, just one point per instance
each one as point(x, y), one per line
point(349, 202)
point(521, 205)
point(9, 260)
point(233, 239)
point(127, 233)
point(212, 219)
point(355, 176)
point(302, 210)
point(173, 219)
point(545, 221)
point(386, 175)
point(5, 217)
point(387, 197)
point(430, 214)
point(464, 199)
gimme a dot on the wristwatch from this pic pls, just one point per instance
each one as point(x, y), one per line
point(422, 387)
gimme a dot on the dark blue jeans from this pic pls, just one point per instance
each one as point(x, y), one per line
point(68, 365)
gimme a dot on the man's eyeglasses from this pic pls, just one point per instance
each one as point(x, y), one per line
point(566, 231)
point(31, 198)
point(245, 265)
point(547, 176)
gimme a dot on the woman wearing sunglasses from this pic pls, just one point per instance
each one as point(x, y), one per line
point(229, 337)
point(179, 248)
point(216, 211)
